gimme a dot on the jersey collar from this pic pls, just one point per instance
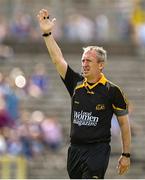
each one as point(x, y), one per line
point(103, 81)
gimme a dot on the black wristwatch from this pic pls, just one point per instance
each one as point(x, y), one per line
point(126, 155)
point(46, 34)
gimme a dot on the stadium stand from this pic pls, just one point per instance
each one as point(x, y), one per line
point(126, 71)
point(124, 68)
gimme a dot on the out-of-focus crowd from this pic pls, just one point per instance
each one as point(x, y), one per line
point(30, 133)
point(79, 27)
point(24, 132)
point(75, 28)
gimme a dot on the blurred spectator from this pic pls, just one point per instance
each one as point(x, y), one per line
point(5, 51)
point(25, 134)
point(52, 133)
point(12, 100)
point(138, 23)
point(126, 30)
point(3, 144)
point(36, 132)
point(21, 27)
point(7, 88)
point(5, 120)
point(14, 145)
point(3, 29)
point(102, 27)
point(74, 25)
point(38, 81)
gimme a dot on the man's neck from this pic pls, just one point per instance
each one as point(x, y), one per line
point(94, 80)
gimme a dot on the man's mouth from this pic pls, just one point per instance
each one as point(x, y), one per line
point(86, 70)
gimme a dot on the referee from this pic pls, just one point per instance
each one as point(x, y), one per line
point(94, 100)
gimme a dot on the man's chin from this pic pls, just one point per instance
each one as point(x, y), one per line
point(85, 75)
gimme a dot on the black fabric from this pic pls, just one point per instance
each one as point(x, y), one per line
point(92, 111)
point(88, 161)
point(71, 80)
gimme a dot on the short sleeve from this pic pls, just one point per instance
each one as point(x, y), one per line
point(120, 102)
point(71, 80)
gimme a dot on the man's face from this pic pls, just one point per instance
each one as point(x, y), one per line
point(90, 64)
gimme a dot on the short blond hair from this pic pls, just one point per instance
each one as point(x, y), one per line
point(100, 52)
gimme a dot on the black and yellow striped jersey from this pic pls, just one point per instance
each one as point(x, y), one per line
point(93, 106)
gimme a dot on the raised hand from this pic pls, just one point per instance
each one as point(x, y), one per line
point(45, 23)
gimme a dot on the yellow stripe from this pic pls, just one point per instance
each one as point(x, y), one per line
point(117, 108)
point(80, 86)
point(103, 81)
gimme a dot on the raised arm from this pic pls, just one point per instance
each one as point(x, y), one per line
point(55, 53)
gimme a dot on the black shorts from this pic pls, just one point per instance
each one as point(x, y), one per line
point(88, 161)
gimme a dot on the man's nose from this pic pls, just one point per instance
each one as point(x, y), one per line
point(85, 62)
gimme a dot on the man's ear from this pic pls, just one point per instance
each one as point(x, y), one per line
point(101, 65)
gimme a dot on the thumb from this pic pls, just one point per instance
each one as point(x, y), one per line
point(53, 20)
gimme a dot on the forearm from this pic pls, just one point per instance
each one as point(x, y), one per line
point(126, 137)
point(53, 49)
point(124, 162)
point(56, 55)
point(125, 134)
